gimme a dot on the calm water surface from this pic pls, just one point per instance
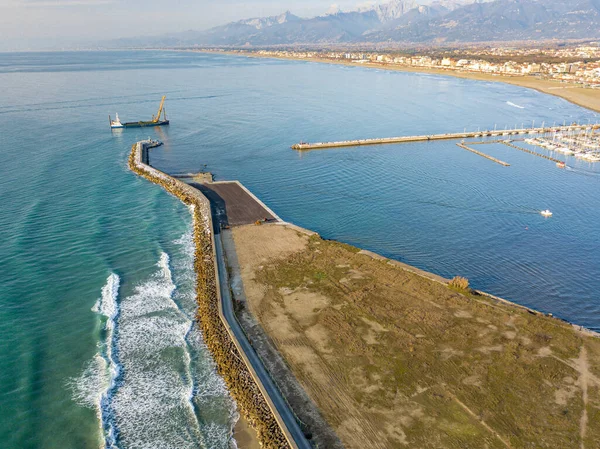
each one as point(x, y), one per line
point(97, 341)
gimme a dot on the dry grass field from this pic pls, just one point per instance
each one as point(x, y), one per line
point(395, 360)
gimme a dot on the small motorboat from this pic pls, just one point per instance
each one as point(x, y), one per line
point(546, 213)
point(560, 164)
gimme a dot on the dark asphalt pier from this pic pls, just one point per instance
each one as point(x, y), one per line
point(233, 205)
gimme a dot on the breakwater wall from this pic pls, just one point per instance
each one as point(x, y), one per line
point(448, 136)
point(231, 362)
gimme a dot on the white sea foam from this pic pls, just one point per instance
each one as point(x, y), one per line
point(154, 404)
point(152, 382)
point(87, 388)
point(107, 306)
point(93, 387)
point(107, 303)
point(514, 105)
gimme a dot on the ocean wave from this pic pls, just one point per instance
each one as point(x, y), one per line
point(87, 388)
point(152, 382)
point(108, 306)
point(93, 388)
point(152, 405)
point(514, 105)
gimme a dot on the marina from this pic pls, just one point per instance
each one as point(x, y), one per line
point(583, 144)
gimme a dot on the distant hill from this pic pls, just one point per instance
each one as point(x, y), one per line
point(404, 21)
point(503, 20)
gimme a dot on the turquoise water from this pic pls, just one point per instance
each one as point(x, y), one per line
point(97, 344)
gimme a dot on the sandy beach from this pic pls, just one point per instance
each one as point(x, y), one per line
point(585, 97)
point(245, 436)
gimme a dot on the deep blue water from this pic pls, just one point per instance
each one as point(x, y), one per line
point(78, 227)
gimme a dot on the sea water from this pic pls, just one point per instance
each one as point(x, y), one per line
point(98, 343)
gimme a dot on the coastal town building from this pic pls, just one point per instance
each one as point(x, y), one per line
point(584, 71)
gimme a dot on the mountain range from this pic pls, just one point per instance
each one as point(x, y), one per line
point(403, 21)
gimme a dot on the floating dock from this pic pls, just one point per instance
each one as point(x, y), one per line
point(488, 142)
point(487, 156)
point(450, 136)
point(558, 161)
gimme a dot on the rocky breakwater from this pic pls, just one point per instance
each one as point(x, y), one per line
point(241, 383)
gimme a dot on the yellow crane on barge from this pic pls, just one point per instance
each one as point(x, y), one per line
point(156, 119)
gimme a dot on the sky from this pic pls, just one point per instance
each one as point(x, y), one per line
point(40, 24)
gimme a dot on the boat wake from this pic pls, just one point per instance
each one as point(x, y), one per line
point(582, 171)
point(151, 382)
point(515, 105)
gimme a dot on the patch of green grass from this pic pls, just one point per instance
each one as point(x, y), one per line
point(319, 276)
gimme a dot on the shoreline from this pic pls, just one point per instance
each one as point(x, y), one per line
point(584, 97)
point(244, 435)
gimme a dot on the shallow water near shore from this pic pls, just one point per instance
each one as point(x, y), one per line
point(96, 315)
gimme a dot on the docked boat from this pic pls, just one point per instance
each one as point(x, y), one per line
point(153, 143)
point(156, 120)
point(590, 157)
point(546, 213)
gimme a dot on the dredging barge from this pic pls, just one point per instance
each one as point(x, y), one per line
point(156, 120)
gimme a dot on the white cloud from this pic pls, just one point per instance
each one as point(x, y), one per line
point(333, 9)
point(366, 5)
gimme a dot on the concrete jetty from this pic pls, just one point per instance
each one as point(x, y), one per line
point(247, 379)
point(449, 136)
point(487, 156)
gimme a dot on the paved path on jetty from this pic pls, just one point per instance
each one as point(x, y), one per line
point(233, 205)
point(277, 399)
